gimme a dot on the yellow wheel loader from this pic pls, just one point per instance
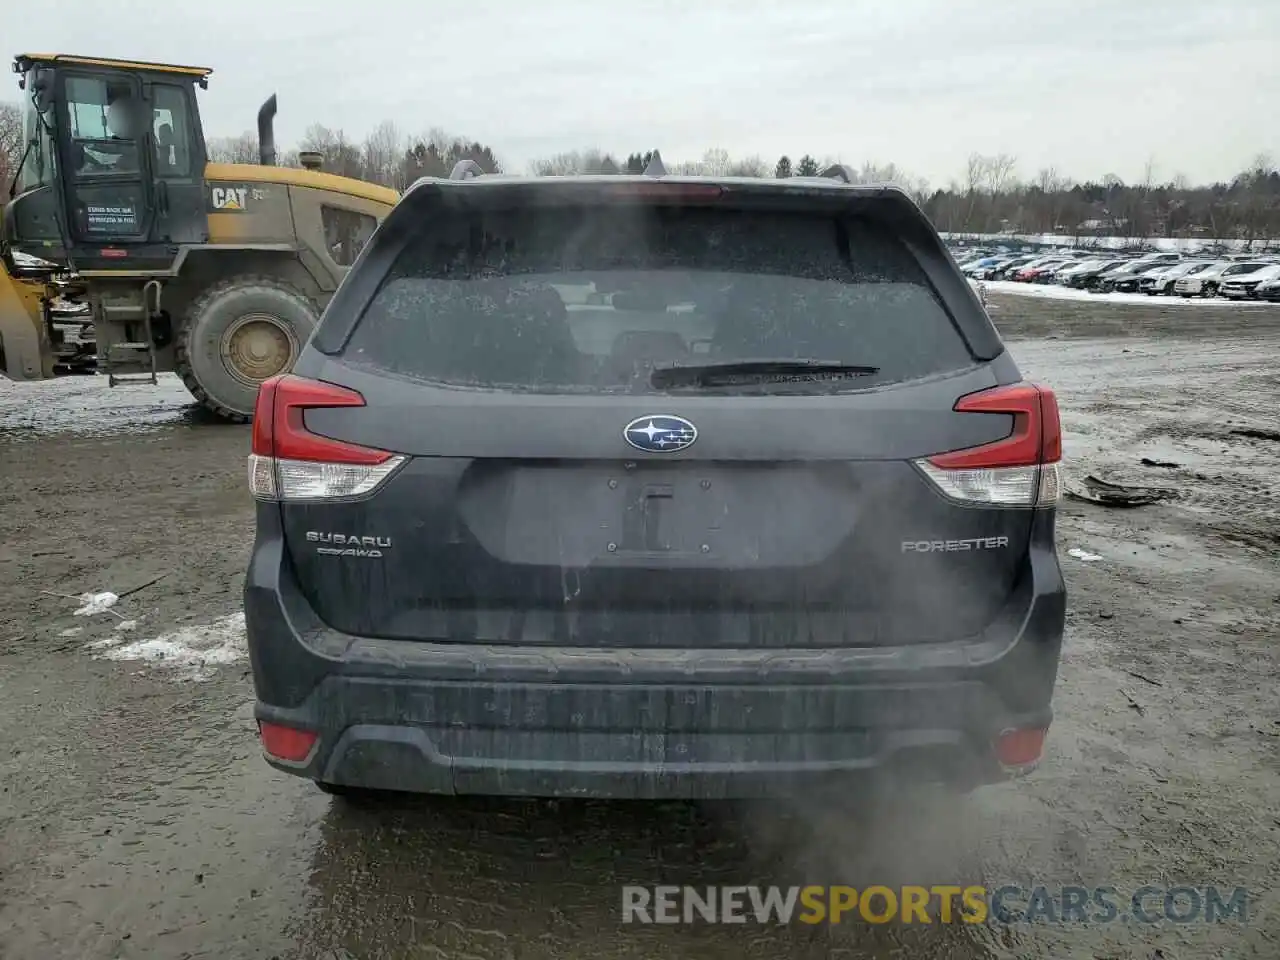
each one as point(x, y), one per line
point(117, 221)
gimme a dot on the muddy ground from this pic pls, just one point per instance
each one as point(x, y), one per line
point(137, 818)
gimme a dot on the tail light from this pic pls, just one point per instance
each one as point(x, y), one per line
point(289, 462)
point(1019, 750)
point(1020, 470)
point(286, 743)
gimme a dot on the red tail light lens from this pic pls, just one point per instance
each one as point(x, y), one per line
point(289, 462)
point(1020, 748)
point(1021, 469)
point(286, 743)
point(1036, 436)
point(279, 431)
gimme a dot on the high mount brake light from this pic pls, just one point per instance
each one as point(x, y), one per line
point(1020, 470)
point(289, 462)
point(644, 189)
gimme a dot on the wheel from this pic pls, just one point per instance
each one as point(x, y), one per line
point(1209, 289)
point(238, 333)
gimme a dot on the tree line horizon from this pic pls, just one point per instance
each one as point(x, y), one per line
point(988, 196)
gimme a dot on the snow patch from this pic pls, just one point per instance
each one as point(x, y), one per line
point(1084, 555)
point(1185, 245)
point(95, 603)
point(86, 405)
point(191, 650)
point(1046, 291)
point(26, 261)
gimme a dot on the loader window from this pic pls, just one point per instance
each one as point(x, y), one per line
point(104, 121)
point(171, 126)
point(38, 166)
point(345, 233)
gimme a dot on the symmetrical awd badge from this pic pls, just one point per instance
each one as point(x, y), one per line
point(660, 433)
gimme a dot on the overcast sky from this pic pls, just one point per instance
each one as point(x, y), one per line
point(1090, 86)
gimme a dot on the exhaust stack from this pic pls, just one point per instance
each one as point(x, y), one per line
point(266, 132)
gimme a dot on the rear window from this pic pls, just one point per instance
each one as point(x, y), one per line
point(593, 299)
point(1240, 268)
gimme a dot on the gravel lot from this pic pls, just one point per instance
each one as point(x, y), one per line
point(137, 818)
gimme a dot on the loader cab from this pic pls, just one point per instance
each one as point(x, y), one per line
point(113, 177)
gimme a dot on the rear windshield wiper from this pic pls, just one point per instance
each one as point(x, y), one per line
point(751, 372)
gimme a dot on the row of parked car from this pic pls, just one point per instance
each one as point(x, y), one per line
point(1154, 274)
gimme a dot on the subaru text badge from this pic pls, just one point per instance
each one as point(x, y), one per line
point(660, 433)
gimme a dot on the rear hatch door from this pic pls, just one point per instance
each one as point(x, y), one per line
point(659, 420)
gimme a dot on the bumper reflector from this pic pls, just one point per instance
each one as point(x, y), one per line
point(286, 743)
point(1020, 748)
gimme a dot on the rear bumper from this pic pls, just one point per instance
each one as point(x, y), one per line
point(520, 721)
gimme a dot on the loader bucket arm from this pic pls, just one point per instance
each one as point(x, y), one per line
point(25, 353)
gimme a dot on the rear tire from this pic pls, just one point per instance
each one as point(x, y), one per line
point(235, 335)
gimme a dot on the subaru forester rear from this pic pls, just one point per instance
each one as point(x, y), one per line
point(653, 487)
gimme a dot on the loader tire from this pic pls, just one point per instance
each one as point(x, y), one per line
point(236, 334)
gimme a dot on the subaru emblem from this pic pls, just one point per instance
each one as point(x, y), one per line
point(660, 433)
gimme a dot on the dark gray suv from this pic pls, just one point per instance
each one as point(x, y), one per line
point(648, 486)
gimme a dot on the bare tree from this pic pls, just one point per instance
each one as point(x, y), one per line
point(591, 162)
point(988, 195)
point(871, 172)
point(240, 149)
point(12, 145)
point(1000, 173)
point(918, 187)
point(339, 155)
point(1149, 174)
point(975, 172)
point(560, 165)
point(382, 152)
point(686, 168)
point(753, 166)
point(1049, 199)
point(715, 162)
